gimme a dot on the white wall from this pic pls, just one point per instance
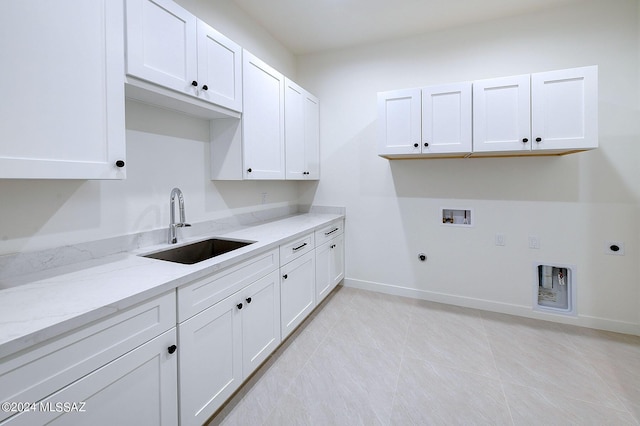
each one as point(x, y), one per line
point(164, 150)
point(572, 203)
point(226, 17)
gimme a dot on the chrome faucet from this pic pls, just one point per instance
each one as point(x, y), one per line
point(173, 236)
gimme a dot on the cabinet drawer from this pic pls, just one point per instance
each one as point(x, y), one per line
point(32, 375)
point(205, 292)
point(296, 248)
point(328, 232)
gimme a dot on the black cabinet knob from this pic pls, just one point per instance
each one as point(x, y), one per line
point(194, 83)
point(415, 145)
point(239, 305)
point(426, 144)
point(525, 140)
point(205, 87)
point(120, 163)
point(538, 139)
point(248, 299)
point(171, 349)
point(249, 170)
point(285, 276)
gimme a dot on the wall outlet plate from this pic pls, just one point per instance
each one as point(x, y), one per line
point(534, 242)
point(499, 239)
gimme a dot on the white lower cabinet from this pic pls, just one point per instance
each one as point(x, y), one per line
point(136, 389)
point(120, 370)
point(297, 291)
point(222, 345)
point(329, 266)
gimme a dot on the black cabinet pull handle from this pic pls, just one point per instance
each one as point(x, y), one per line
point(538, 139)
point(120, 163)
point(249, 170)
point(285, 276)
point(239, 305)
point(415, 145)
point(171, 349)
point(331, 232)
point(525, 140)
point(299, 247)
point(248, 299)
point(205, 87)
point(194, 83)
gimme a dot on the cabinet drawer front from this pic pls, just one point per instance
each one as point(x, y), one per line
point(39, 372)
point(205, 292)
point(330, 231)
point(296, 248)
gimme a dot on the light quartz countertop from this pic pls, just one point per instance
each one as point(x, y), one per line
point(40, 306)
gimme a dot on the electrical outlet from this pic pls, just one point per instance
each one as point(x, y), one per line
point(614, 247)
point(534, 242)
point(264, 198)
point(499, 239)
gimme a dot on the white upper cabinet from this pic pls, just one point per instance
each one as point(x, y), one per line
point(434, 121)
point(302, 133)
point(501, 114)
point(170, 47)
point(262, 120)
point(399, 125)
point(553, 112)
point(219, 68)
point(62, 85)
point(564, 109)
point(446, 119)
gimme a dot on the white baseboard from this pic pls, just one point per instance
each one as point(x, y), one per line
point(492, 306)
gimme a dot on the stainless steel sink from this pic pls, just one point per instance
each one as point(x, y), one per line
point(197, 252)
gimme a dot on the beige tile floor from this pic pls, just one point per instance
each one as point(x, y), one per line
point(364, 358)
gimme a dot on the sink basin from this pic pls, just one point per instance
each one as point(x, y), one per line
point(197, 252)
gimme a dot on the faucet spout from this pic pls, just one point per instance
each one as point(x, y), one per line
point(173, 235)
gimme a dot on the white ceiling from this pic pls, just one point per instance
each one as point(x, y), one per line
point(307, 26)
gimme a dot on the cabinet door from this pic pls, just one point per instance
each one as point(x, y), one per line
point(302, 133)
point(161, 44)
point(564, 109)
point(399, 121)
point(312, 136)
point(446, 118)
point(297, 291)
point(262, 120)
point(294, 130)
point(329, 266)
point(62, 86)
point(219, 68)
point(260, 321)
point(136, 389)
point(337, 260)
point(501, 114)
point(210, 362)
